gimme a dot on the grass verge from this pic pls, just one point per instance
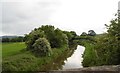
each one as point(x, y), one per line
point(16, 60)
point(89, 56)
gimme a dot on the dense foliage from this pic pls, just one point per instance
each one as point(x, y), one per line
point(105, 49)
point(60, 38)
point(109, 44)
point(42, 39)
point(49, 43)
point(42, 47)
point(32, 37)
point(71, 37)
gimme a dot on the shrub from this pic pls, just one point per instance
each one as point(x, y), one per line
point(41, 47)
point(60, 38)
point(32, 37)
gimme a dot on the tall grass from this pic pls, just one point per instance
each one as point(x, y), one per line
point(90, 56)
point(0, 57)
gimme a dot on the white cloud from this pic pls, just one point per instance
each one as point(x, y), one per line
point(21, 16)
point(84, 15)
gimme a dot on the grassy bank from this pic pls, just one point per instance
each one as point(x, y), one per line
point(0, 50)
point(16, 60)
point(89, 56)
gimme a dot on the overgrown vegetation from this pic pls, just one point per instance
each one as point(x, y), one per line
point(43, 45)
point(109, 44)
point(42, 39)
point(105, 49)
point(27, 61)
point(89, 57)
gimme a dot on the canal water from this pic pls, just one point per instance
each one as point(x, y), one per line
point(70, 59)
point(75, 61)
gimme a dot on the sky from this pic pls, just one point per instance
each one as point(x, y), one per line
point(19, 17)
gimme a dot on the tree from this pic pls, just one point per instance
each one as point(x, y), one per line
point(114, 39)
point(108, 47)
point(55, 36)
point(114, 28)
point(91, 33)
point(60, 38)
point(71, 37)
point(5, 40)
point(73, 33)
point(84, 34)
point(49, 32)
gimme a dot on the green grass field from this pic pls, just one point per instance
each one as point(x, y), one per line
point(16, 58)
point(9, 49)
point(0, 51)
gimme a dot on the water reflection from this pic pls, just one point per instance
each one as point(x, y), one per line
point(71, 58)
point(75, 61)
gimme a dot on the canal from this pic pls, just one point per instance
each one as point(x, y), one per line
point(75, 60)
point(70, 59)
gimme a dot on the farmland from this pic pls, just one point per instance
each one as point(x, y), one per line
point(9, 49)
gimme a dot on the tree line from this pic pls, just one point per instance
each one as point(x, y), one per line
point(13, 39)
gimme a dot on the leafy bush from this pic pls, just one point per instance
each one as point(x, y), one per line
point(42, 47)
point(32, 37)
point(55, 36)
point(49, 34)
point(108, 45)
point(60, 38)
point(41, 39)
point(71, 37)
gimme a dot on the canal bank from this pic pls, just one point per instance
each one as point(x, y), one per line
point(70, 59)
point(26, 61)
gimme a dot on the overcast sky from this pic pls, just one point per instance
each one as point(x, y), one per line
point(21, 16)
